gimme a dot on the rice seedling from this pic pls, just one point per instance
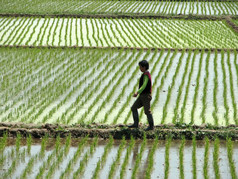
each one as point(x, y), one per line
point(51, 157)
point(181, 86)
point(232, 88)
point(170, 87)
point(60, 158)
point(230, 158)
point(167, 146)
point(43, 145)
point(187, 88)
point(3, 142)
point(26, 29)
point(29, 143)
point(50, 29)
point(70, 165)
point(196, 88)
point(225, 89)
point(126, 159)
point(117, 159)
point(103, 158)
point(151, 159)
point(216, 158)
point(33, 32)
point(206, 158)
point(16, 29)
point(44, 32)
point(181, 158)
point(194, 158)
point(84, 160)
point(138, 157)
point(60, 31)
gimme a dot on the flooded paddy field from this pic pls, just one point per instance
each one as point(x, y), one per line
point(118, 32)
point(90, 158)
point(167, 7)
point(68, 86)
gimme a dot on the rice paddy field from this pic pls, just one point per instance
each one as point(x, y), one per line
point(73, 66)
point(97, 158)
point(168, 7)
point(106, 32)
point(71, 86)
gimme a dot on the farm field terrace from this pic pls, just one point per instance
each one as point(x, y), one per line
point(100, 158)
point(108, 32)
point(68, 86)
point(165, 7)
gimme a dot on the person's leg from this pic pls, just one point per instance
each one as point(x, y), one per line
point(137, 104)
point(146, 103)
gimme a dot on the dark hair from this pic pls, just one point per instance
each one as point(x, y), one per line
point(144, 63)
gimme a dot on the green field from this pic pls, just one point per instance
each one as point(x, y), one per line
point(165, 7)
point(70, 86)
point(97, 158)
point(104, 32)
point(68, 72)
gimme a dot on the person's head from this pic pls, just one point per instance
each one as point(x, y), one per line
point(144, 65)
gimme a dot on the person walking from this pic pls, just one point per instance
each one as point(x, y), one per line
point(144, 92)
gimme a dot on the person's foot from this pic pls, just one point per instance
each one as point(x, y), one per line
point(133, 126)
point(149, 128)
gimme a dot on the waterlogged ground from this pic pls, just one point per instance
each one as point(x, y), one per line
point(89, 6)
point(107, 32)
point(133, 156)
point(96, 85)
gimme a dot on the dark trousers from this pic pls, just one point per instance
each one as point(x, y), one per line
point(142, 100)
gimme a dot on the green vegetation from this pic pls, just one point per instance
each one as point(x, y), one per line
point(162, 7)
point(142, 33)
point(56, 94)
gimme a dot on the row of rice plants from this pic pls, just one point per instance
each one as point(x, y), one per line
point(101, 162)
point(214, 90)
point(49, 76)
point(96, 84)
point(176, 108)
point(119, 81)
point(83, 163)
point(69, 95)
point(113, 81)
point(50, 158)
point(106, 32)
point(51, 82)
point(183, 108)
point(74, 90)
point(103, 6)
point(84, 152)
point(19, 83)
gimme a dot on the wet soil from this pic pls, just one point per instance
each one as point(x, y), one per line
point(126, 15)
point(125, 48)
point(176, 131)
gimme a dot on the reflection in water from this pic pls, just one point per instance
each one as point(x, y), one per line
point(158, 162)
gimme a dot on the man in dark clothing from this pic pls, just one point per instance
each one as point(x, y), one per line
point(145, 90)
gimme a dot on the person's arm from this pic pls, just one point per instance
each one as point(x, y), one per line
point(145, 81)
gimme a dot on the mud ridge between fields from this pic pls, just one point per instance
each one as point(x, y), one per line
point(176, 131)
point(125, 48)
point(125, 15)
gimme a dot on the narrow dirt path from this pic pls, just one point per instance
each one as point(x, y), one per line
point(118, 131)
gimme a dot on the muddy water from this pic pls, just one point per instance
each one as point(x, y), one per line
point(90, 165)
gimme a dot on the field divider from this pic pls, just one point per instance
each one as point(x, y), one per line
point(120, 47)
point(118, 131)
